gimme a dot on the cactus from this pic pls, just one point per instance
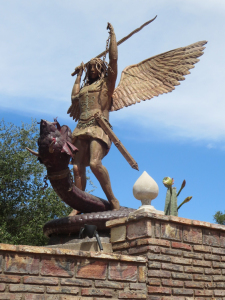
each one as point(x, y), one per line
point(171, 197)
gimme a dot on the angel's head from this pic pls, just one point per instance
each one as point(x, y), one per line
point(95, 69)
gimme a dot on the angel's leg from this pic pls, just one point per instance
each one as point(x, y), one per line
point(79, 167)
point(97, 152)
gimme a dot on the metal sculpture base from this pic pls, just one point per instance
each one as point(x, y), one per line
point(64, 232)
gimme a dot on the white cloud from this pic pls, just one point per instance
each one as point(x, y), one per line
point(42, 41)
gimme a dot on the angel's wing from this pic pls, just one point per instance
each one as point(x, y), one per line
point(74, 109)
point(155, 75)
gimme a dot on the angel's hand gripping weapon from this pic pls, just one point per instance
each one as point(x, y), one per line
point(118, 43)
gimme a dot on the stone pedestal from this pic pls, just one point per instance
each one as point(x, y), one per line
point(72, 242)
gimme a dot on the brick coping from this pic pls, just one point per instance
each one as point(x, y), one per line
point(82, 254)
point(173, 219)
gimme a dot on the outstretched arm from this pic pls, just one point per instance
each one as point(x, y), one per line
point(76, 87)
point(113, 56)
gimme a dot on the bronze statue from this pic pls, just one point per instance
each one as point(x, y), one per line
point(92, 102)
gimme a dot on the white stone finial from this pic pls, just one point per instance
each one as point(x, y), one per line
point(146, 189)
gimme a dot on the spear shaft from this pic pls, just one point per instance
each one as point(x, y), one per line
point(121, 41)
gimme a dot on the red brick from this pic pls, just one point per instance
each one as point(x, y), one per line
point(122, 271)
point(7, 247)
point(202, 277)
point(142, 273)
point(157, 229)
point(160, 273)
point(210, 285)
point(219, 293)
point(67, 297)
point(181, 220)
point(2, 287)
point(34, 297)
point(62, 290)
point(151, 241)
point(159, 290)
point(154, 265)
point(218, 265)
point(153, 281)
point(26, 288)
point(218, 278)
point(41, 280)
point(220, 285)
point(211, 237)
point(182, 261)
point(190, 269)
point(218, 251)
point(10, 278)
point(193, 284)
point(171, 231)
point(192, 235)
point(201, 223)
point(21, 264)
point(159, 257)
point(144, 249)
point(212, 271)
point(172, 267)
point(122, 245)
point(1, 259)
point(212, 257)
point(142, 228)
point(92, 269)
point(193, 255)
point(171, 252)
point(74, 281)
point(201, 263)
point(202, 248)
point(182, 292)
point(110, 285)
point(59, 266)
point(132, 295)
point(7, 296)
point(181, 276)
point(175, 298)
point(96, 292)
point(203, 293)
point(172, 283)
point(137, 286)
point(150, 297)
point(181, 246)
point(222, 239)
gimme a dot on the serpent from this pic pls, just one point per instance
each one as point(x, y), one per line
point(55, 150)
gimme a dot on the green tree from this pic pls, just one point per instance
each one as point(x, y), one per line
point(24, 207)
point(219, 218)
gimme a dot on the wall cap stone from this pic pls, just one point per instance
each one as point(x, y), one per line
point(68, 252)
point(172, 219)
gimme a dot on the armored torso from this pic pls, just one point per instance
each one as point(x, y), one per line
point(93, 98)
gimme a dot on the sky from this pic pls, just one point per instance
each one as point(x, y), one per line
point(180, 134)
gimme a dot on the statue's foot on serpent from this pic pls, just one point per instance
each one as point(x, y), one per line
point(115, 205)
point(74, 212)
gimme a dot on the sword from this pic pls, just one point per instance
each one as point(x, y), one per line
point(120, 41)
point(105, 126)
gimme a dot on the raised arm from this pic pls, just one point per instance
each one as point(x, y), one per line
point(76, 86)
point(113, 56)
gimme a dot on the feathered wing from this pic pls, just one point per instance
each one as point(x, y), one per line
point(156, 75)
point(74, 109)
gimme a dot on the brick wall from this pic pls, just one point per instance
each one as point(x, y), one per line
point(39, 273)
point(186, 258)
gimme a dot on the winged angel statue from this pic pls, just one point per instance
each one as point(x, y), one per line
point(92, 102)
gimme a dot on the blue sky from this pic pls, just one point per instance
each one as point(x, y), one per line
point(180, 134)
